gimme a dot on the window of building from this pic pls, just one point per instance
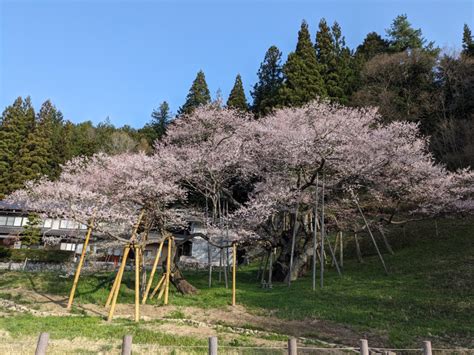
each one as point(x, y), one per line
point(10, 221)
point(55, 224)
point(63, 224)
point(68, 246)
point(48, 222)
point(3, 220)
point(17, 221)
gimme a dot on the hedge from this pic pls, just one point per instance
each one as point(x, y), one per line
point(18, 255)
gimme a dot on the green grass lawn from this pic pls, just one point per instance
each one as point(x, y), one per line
point(428, 294)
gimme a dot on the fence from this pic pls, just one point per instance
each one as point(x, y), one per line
point(291, 349)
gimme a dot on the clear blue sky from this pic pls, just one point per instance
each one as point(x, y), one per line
point(120, 59)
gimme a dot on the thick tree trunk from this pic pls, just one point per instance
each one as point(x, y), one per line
point(177, 278)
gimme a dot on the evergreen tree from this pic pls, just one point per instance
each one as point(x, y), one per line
point(372, 45)
point(35, 157)
point(335, 59)
point(32, 231)
point(467, 42)
point(237, 97)
point(270, 79)
point(16, 122)
point(302, 78)
point(198, 95)
point(403, 36)
point(160, 119)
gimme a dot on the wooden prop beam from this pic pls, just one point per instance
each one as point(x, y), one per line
point(119, 281)
point(234, 270)
point(152, 272)
point(114, 285)
point(315, 231)
point(158, 285)
point(322, 255)
point(79, 266)
point(293, 242)
point(137, 283)
point(168, 270)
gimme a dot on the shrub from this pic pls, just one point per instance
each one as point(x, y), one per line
point(52, 256)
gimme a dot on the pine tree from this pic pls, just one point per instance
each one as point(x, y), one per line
point(32, 231)
point(198, 95)
point(16, 122)
point(35, 157)
point(467, 42)
point(160, 119)
point(302, 78)
point(237, 97)
point(270, 79)
point(403, 36)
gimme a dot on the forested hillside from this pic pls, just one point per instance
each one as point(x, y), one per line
point(407, 76)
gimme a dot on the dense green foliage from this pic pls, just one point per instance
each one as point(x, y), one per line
point(198, 94)
point(19, 255)
point(31, 233)
point(237, 97)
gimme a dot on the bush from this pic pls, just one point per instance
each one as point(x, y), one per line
point(18, 255)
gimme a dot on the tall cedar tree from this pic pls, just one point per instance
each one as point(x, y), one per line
point(302, 79)
point(467, 42)
point(160, 119)
point(372, 45)
point(335, 59)
point(198, 95)
point(35, 158)
point(270, 80)
point(237, 97)
point(17, 122)
point(403, 36)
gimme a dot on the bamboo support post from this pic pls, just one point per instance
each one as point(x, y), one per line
point(359, 253)
point(226, 268)
point(385, 240)
point(137, 283)
point(79, 266)
point(334, 259)
point(234, 270)
point(152, 272)
point(315, 231)
point(114, 286)
point(341, 251)
point(209, 261)
point(158, 285)
point(262, 279)
point(117, 286)
point(168, 270)
point(270, 270)
point(293, 241)
point(322, 254)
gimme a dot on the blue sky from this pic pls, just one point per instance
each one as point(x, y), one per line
point(120, 59)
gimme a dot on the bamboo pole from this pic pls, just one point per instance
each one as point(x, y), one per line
point(137, 283)
point(152, 272)
point(79, 266)
point(341, 254)
point(315, 232)
point(262, 280)
point(119, 281)
point(234, 270)
point(226, 266)
point(168, 270)
point(163, 277)
point(270, 270)
point(333, 256)
point(359, 253)
point(385, 240)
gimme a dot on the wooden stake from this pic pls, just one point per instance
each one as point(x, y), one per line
point(262, 280)
point(341, 254)
point(168, 270)
point(137, 283)
point(234, 270)
point(209, 261)
point(119, 281)
point(79, 266)
point(385, 240)
point(226, 266)
point(334, 259)
point(359, 254)
point(152, 272)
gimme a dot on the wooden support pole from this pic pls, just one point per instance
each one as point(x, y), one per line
point(117, 286)
point(234, 270)
point(371, 235)
point(127, 345)
point(79, 266)
point(364, 347)
point(116, 281)
point(158, 286)
point(427, 348)
point(270, 269)
point(262, 280)
point(209, 262)
point(293, 242)
point(212, 345)
point(42, 344)
point(168, 270)
point(292, 346)
point(137, 283)
point(152, 272)
point(323, 231)
point(359, 253)
point(336, 244)
point(341, 251)
point(315, 231)
point(226, 267)
point(385, 240)
point(220, 264)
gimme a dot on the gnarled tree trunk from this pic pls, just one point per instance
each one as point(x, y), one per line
point(177, 278)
